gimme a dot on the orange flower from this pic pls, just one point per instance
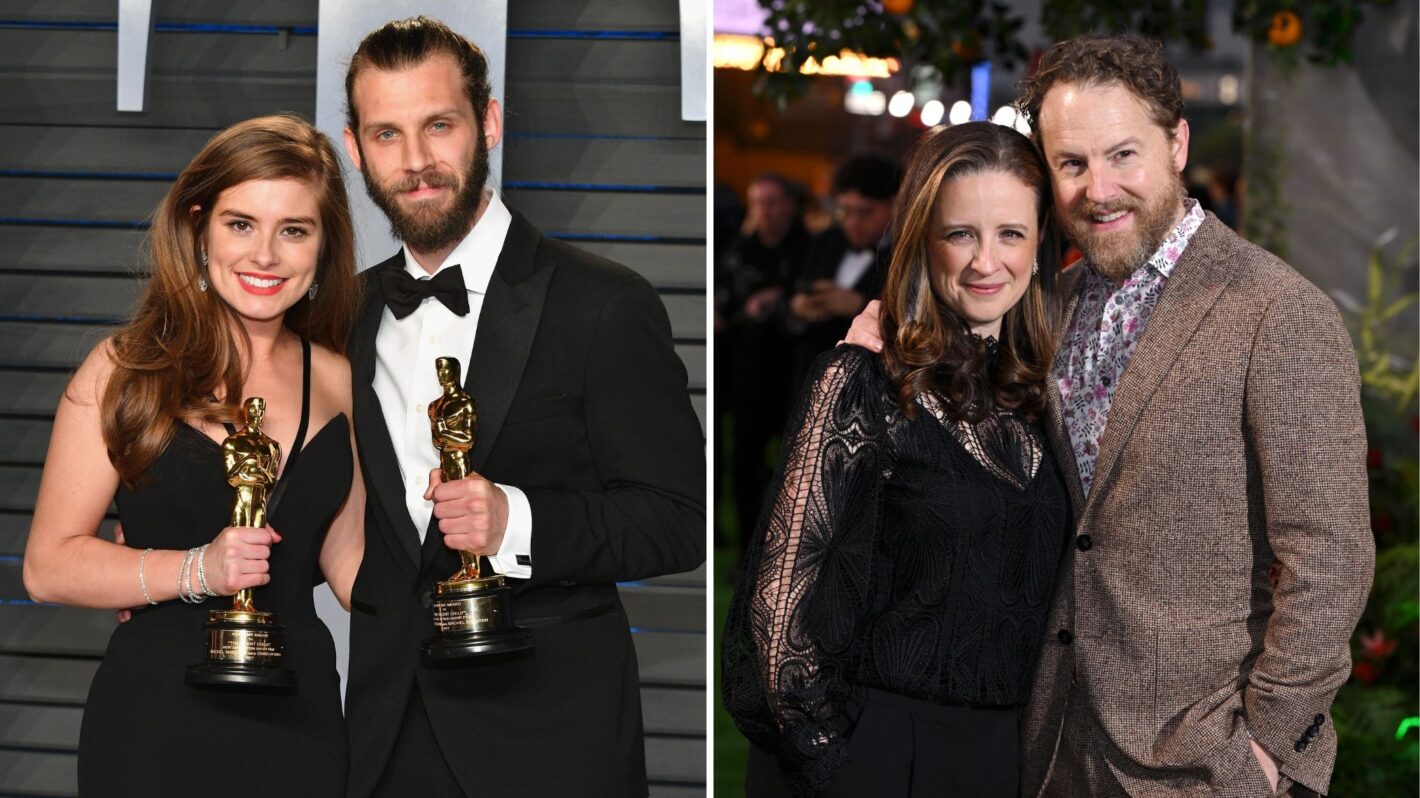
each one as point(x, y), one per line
point(1286, 29)
point(967, 49)
point(898, 6)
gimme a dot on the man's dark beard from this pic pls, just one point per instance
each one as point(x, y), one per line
point(427, 230)
point(1153, 223)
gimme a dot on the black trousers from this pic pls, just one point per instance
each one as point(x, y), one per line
point(417, 765)
point(901, 747)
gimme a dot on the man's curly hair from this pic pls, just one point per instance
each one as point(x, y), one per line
point(1134, 62)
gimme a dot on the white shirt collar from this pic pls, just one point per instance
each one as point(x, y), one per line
point(478, 252)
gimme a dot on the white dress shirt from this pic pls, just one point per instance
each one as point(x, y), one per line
point(406, 382)
point(855, 264)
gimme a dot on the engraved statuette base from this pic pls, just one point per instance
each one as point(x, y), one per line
point(243, 652)
point(473, 619)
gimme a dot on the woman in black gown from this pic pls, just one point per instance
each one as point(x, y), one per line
point(253, 292)
point(885, 631)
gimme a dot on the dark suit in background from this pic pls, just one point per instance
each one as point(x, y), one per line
point(582, 404)
point(825, 255)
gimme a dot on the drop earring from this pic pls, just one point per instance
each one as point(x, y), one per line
point(311, 294)
point(1035, 267)
point(202, 279)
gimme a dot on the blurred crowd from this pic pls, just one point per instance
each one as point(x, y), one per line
point(789, 279)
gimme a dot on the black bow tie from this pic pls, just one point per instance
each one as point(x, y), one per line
point(403, 293)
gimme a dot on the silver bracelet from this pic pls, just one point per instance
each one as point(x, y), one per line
point(197, 598)
point(182, 577)
point(185, 590)
point(181, 593)
point(142, 580)
point(202, 569)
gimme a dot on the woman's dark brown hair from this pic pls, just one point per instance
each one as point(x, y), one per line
point(926, 346)
point(182, 347)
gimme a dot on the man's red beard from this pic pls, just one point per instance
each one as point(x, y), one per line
point(1118, 254)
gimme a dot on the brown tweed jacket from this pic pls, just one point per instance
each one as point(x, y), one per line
point(1234, 444)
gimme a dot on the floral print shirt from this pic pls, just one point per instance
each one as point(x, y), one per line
point(1108, 321)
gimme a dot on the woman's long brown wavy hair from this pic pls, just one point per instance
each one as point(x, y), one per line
point(181, 347)
point(926, 346)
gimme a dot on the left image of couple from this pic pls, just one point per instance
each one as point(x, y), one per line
point(587, 470)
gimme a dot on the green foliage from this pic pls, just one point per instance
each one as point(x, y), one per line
point(1370, 762)
point(1382, 692)
point(948, 36)
point(951, 35)
point(1375, 329)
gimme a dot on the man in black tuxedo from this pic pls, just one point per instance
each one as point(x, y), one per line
point(588, 467)
point(847, 262)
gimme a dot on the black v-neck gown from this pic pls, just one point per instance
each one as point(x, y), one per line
point(145, 732)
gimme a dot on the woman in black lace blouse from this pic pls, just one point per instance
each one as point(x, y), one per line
point(884, 634)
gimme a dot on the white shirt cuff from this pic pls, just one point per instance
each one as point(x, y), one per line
point(514, 557)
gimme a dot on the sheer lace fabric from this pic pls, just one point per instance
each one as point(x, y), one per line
point(910, 555)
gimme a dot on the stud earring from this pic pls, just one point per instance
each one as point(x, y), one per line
point(1035, 266)
point(311, 294)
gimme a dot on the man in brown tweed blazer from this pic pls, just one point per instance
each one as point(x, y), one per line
point(1232, 450)
point(1205, 409)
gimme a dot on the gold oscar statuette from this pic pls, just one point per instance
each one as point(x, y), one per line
point(472, 612)
point(244, 644)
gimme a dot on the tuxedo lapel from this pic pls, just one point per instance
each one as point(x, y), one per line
point(507, 325)
point(377, 455)
point(1196, 282)
point(506, 328)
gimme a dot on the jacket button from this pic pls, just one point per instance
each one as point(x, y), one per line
point(1318, 721)
point(1083, 543)
point(1065, 636)
point(1300, 746)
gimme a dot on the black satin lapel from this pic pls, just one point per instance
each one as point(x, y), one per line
point(381, 465)
point(377, 456)
point(505, 337)
point(507, 325)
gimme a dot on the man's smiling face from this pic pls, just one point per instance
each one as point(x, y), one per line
point(1115, 173)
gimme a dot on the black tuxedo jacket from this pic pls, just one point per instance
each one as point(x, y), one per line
point(582, 404)
point(827, 252)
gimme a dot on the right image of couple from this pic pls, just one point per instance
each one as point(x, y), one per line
point(1035, 529)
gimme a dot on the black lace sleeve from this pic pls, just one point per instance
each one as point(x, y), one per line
point(808, 573)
